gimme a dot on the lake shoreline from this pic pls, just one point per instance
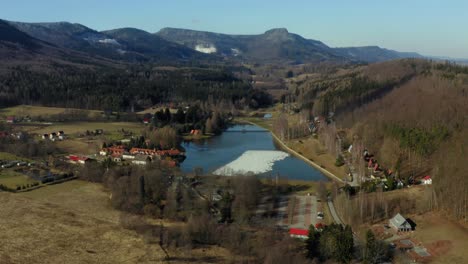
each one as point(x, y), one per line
point(291, 151)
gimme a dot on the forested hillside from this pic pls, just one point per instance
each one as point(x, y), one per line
point(411, 114)
point(119, 89)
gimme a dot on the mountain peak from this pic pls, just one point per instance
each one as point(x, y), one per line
point(277, 31)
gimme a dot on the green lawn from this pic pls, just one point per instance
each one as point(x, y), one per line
point(9, 156)
point(12, 179)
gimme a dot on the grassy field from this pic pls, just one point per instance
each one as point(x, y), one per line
point(314, 151)
point(34, 111)
point(12, 179)
point(71, 128)
point(447, 240)
point(9, 156)
point(77, 145)
point(73, 223)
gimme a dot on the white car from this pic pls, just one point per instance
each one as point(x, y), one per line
point(320, 215)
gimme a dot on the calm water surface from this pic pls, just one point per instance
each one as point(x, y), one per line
point(213, 153)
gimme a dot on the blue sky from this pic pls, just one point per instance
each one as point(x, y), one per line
point(429, 27)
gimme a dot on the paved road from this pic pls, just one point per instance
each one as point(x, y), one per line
point(335, 216)
point(337, 219)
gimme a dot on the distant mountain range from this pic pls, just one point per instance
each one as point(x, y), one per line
point(273, 45)
point(121, 44)
point(276, 44)
point(171, 44)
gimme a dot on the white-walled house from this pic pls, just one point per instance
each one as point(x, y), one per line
point(426, 180)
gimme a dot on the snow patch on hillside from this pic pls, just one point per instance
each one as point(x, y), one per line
point(206, 48)
point(252, 162)
point(235, 52)
point(109, 41)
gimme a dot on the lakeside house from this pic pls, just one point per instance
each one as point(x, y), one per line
point(400, 224)
point(195, 132)
point(10, 119)
point(115, 150)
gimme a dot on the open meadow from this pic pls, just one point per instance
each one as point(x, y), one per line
point(73, 222)
point(36, 111)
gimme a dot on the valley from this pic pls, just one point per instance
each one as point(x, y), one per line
point(125, 145)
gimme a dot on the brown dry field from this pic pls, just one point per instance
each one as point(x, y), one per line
point(74, 223)
point(308, 148)
point(446, 239)
point(34, 111)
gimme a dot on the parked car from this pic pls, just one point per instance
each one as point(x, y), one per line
point(320, 215)
point(8, 165)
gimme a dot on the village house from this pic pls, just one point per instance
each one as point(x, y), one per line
point(117, 157)
point(10, 119)
point(53, 136)
point(426, 180)
point(78, 159)
point(61, 135)
point(142, 151)
point(400, 224)
point(128, 156)
point(298, 233)
point(140, 160)
point(195, 132)
point(118, 150)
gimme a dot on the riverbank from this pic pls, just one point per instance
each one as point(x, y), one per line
point(283, 145)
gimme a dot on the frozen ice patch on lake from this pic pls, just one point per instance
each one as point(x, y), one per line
point(252, 161)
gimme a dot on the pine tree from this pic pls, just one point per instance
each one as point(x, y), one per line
point(312, 243)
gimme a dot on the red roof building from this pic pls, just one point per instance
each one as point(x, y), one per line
point(10, 119)
point(299, 233)
point(78, 159)
point(154, 152)
point(426, 180)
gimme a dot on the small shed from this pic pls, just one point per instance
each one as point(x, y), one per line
point(400, 224)
point(267, 116)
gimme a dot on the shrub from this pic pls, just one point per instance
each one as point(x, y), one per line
point(339, 161)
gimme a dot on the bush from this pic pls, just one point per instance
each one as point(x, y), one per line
point(339, 161)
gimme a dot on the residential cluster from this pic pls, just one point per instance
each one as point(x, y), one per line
point(54, 136)
point(378, 172)
point(142, 156)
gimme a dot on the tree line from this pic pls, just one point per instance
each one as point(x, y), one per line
point(123, 89)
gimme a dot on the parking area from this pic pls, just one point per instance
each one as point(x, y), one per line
point(298, 212)
point(294, 211)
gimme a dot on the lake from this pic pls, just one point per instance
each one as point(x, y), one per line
point(214, 153)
